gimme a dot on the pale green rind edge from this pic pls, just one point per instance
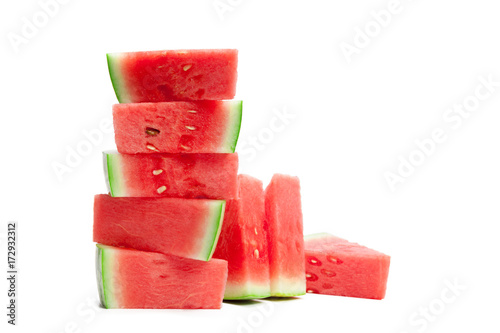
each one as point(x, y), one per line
point(248, 291)
point(286, 287)
point(104, 272)
point(233, 126)
point(217, 209)
point(98, 270)
point(116, 76)
point(319, 235)
point(113, 174)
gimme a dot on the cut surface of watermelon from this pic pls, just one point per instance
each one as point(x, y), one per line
point(192, 176)
point(173, 75)
point(283, 225)
point(177, 127)
point(335, 266)
point(184, 227)
point(132, 279)
point(243, 243)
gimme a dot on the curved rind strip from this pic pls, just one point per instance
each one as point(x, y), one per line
point(319, 235)
point(294, 287)
point(98, 268)
point(216, 215)
point(105, 268)
point(116, 75)
point(233, 127)
point(251, 291)
point(113, 174)
point(105, 166)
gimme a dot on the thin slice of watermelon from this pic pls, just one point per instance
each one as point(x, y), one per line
point(192, 176)
point(243, 243)
point(285, 238)
point(132, 279)
point(184, 227)
point(177, 127)
point(173, 75)
point(335, 266)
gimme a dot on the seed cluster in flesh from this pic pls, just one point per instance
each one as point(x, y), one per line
point(328, 273)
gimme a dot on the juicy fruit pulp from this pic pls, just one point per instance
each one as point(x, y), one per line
point(191, 176)
point(173, 75)
point(131, 279)
point(177, 127)
point(285, 238)
point(243, 243)
point(184, 227)
point(335, 266)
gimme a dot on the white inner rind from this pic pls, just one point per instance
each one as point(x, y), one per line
point(286, 287)
point(319, 235)
point(249, 290)
point(98, 270)
point(113, 173)
point(216, 218)
point(105, 266)
point(117, 79)
point(233, 127)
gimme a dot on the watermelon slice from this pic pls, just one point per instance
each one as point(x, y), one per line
point(335, 266)
point(196, 176)
point(243, 243)
point(174, 75)
point(183, 227)
point(177, 127)
point(131, 279)
point(285, 238)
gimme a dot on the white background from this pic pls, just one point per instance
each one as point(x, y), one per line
point(352, 121)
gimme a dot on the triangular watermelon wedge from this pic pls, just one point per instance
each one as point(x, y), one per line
point(335, 266)
point(131, 279)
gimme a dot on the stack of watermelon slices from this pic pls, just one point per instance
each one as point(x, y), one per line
point(176, 130)
point(179, 227)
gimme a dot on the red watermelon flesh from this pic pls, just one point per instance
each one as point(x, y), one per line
point(243, 243)
point(184, 227)
point(192, 176)
point(173, 75)
point(177, 127)
point(132, 279)
point(283, 225)
point(335, 266)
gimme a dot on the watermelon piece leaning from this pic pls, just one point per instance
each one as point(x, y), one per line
point(283, 225)
point(173, 75)
point(243, 243)
point(184, 227)
point(190, 176)
point(132, 279)
point(177, 127)
point(335, 266)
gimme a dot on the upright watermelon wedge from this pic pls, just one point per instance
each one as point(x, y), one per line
point(335, 266)
point(131, 279)
point(184, 227)
point(243, 243)
point(283, 225)
point(191, 176)
point(177, 127)
point(173, 75)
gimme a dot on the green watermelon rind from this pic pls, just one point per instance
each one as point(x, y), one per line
point(105, 277)
point(116, 76)
point(233, 127)
point(113, 174)
point(212, 237)
point(251, 291)
point(294, 287)
point(319, 235)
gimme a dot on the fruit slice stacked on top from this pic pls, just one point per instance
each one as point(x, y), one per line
point(175, 167)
